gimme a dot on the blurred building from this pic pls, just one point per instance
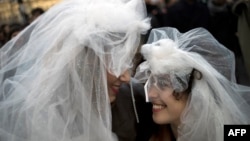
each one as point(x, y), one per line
point(10, 9)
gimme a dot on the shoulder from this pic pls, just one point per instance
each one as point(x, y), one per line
point(137, 89)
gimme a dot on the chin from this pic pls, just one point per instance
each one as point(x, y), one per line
point(112, 99)
point(159, 120)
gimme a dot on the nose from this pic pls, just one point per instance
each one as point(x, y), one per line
point(152, 93)
point(125, 77)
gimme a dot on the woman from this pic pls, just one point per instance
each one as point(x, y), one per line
point(191, 85)
point(60, 74)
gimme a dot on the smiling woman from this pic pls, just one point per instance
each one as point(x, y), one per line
point(114, 84)
point(191, 84)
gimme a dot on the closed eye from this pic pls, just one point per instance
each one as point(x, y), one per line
point(163, 83)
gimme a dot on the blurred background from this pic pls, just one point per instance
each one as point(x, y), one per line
point(10, 10)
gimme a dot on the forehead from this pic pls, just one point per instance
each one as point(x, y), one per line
point(160, 80)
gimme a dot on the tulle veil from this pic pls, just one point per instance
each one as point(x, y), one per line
point(215, 99)
point(53, 83)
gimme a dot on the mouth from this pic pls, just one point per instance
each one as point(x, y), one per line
point(158, 107)
point(115, 89)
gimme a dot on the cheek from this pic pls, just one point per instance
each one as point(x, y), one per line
point(178, 109)
point(111, 79)
point(174, 107)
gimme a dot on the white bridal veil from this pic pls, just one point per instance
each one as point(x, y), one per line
point(53, 84)
point(215, 99)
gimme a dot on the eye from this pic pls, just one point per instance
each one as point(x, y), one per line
point(162, 83)
point(151, 81)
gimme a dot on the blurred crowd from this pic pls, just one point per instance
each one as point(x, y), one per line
point(9, 31)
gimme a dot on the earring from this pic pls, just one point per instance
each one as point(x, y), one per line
point(197, 74)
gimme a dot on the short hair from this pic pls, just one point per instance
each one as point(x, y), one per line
point(37, 10)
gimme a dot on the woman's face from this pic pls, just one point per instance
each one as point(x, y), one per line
point(114, 84)
point(166, 108)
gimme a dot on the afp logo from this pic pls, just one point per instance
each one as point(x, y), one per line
point(236, 132)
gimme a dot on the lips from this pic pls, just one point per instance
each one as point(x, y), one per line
point(115, 89)
point(158, 107)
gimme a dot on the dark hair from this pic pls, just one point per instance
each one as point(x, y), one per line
point(195, 74)
point(15, 28)
point(37, 10)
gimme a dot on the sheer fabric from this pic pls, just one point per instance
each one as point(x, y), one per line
point(53, 84)
point(215, 99)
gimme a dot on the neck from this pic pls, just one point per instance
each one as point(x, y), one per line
point(174, 127)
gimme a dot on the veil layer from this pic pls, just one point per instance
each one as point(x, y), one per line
point(53, 83)
point(215, 99)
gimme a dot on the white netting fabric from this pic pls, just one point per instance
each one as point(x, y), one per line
point(53, 84)
point(215, 99)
